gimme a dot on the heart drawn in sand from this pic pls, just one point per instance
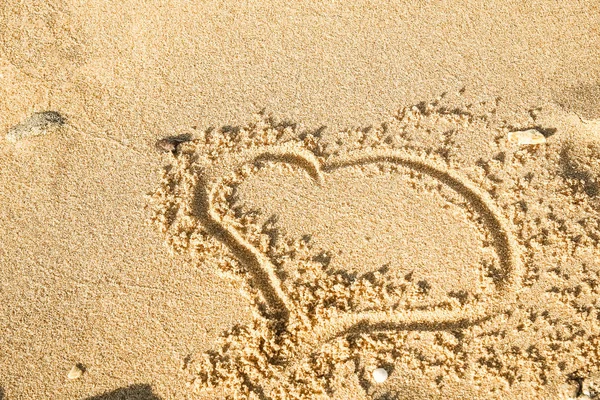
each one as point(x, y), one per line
point(269, 283)
point(305, 321)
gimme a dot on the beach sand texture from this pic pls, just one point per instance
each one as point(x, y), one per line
point(414, 187)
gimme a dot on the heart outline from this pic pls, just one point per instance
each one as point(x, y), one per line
point(264, 271)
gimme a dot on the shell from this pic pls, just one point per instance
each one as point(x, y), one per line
point(380, 375)
point(528, 137)
point(76, 372)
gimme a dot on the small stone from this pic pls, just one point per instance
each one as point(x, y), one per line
point(39, 123)
point(528, 137)
point(170, 144)
point(76, 372)
point(380, 375)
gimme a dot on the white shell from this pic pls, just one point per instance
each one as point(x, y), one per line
point(380, 375)
point(75, 372)
point(530, 136)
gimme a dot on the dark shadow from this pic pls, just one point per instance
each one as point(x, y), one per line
point(269, 227)
point(133, 392)
point(365, 327)
point(81, 367)
point(362, 375)
point(234, 130)
point(388, 396)
point(547, 132)
point(1, 394)
point(323, 258)
point(582, 99)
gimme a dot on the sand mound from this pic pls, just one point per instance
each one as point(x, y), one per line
point(463, 267)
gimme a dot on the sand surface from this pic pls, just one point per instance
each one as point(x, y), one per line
point(348, 199)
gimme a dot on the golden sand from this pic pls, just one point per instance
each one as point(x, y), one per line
point(302, 223)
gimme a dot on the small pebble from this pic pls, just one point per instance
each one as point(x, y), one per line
point(380, 375)
point(76, 372)
point(530, 136)
point(170, 144)
point(39, 123)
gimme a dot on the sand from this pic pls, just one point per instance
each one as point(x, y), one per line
point(344, 196)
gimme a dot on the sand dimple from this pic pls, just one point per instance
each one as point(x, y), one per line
point(348, 249)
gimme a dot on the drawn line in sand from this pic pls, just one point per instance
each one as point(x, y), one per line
point(265, 273)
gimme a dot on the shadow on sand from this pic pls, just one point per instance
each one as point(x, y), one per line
point(133, 392)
